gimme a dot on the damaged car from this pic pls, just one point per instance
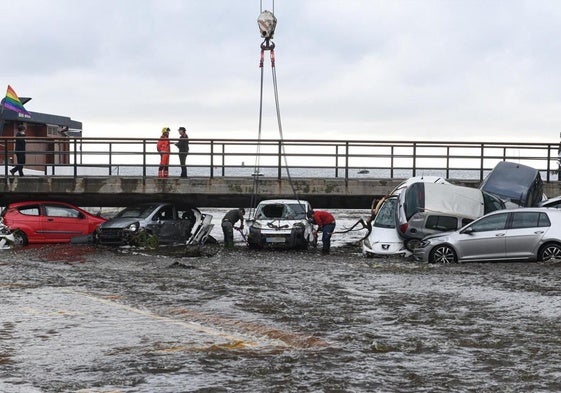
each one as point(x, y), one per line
point(427, 208)
point(151, 224)
point(281, 223)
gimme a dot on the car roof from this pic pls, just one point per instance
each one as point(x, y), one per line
point(283, 201)
point(39, 202)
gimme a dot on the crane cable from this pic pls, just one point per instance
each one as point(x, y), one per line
point(267, 24)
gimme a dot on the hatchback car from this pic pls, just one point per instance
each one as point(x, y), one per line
point(281, 222)
point(155, 223)
point(48, 221)
point(442, 199)
point(518, 234)
point(383, 239)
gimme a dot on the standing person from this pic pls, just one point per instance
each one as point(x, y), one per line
point(326, 224)
point(19, 150)
point(164, 150)
point(228, 223)
point(183, 146)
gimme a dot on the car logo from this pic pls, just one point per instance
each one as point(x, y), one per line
point(385, 246)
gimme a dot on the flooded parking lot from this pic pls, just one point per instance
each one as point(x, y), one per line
point(76, 318)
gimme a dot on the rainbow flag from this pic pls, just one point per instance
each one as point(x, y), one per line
point(13, 103)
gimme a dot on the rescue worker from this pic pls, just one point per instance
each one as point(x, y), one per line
point(163, 147)
point(228, 222)
point(326, 224)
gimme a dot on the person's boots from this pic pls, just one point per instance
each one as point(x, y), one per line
point(160, 173)
point(165, 173)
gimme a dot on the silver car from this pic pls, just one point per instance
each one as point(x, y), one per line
point(532, 234)
point(150, 224)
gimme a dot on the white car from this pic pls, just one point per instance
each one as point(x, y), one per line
point(383, 239)
point(280, 222)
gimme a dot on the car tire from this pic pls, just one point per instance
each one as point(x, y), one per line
point(20, 238)
point(443, 254)
point(411, 244)
point(550, 252)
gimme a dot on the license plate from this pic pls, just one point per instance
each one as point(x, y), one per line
point(275, 240)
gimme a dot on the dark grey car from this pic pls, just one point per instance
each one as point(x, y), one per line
point(155, 223)
point(519, 234)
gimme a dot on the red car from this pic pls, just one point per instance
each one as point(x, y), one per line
point(48, 222)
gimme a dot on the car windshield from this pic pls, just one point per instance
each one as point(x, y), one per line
point(140, 211)
point(386, 215)
point(288, 211)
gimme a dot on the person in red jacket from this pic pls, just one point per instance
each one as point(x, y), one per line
point(326, 224)
point(164, 150)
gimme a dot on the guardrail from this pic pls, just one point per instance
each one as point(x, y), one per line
point(275, 158)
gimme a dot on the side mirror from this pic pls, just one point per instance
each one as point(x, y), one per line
point(468, 230)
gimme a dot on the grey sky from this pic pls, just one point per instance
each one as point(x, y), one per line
point(356, 69)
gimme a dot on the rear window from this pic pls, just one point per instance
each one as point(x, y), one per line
point(442, 223)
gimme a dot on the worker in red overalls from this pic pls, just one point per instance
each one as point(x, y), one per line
point(326, 224)
point(164, 150)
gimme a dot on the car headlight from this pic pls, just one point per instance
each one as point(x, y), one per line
point(133, 227)
point(367, 243)
point(424, 243)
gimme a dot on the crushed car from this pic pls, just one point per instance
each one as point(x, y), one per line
point(280, 223)
point(426, 208)
point(152, 224)
point(382, 239)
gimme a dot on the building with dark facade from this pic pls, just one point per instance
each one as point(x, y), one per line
point(48, 137)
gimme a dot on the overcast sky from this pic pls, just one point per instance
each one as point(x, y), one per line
point(348, 69)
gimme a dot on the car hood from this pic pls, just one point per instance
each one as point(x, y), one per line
point(119, 222)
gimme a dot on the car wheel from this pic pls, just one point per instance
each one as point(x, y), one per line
point(20, 239)
point(550, 252)
point(412, 244)
point(443, 254)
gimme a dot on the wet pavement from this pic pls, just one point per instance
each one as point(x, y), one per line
point(76, 318)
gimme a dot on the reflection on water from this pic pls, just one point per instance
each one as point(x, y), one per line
point(238, 320)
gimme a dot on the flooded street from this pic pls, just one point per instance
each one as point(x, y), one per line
point(76, 318)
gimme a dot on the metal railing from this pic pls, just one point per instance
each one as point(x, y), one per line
point(273, 158)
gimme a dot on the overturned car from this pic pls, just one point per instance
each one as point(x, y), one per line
point(151, 224)
point(281, 222)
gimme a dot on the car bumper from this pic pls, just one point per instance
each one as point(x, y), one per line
point(293, 239)
point(384, 249)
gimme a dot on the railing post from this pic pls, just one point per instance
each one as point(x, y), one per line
point(346, 161)
point(548, 162)
point(5, 160)
point(414, 159)
point(481, 161)
point(110, 159)
point(144, 158)
point(211, 159)
point(392, 162)
point(223, 155)
point(75, 159)
point(336, 160)
point(279, 160)
point(447, 162)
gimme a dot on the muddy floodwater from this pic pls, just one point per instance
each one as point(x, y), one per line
point(76, 318)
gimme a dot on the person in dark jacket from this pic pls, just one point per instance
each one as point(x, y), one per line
point(326, 224)
point(228, 222)
point(19, 150)
point(183, 146)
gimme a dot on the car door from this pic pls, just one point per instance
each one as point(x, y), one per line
point(525, 232)
point(484, 239)
point(167, 226)
point(60, 222)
